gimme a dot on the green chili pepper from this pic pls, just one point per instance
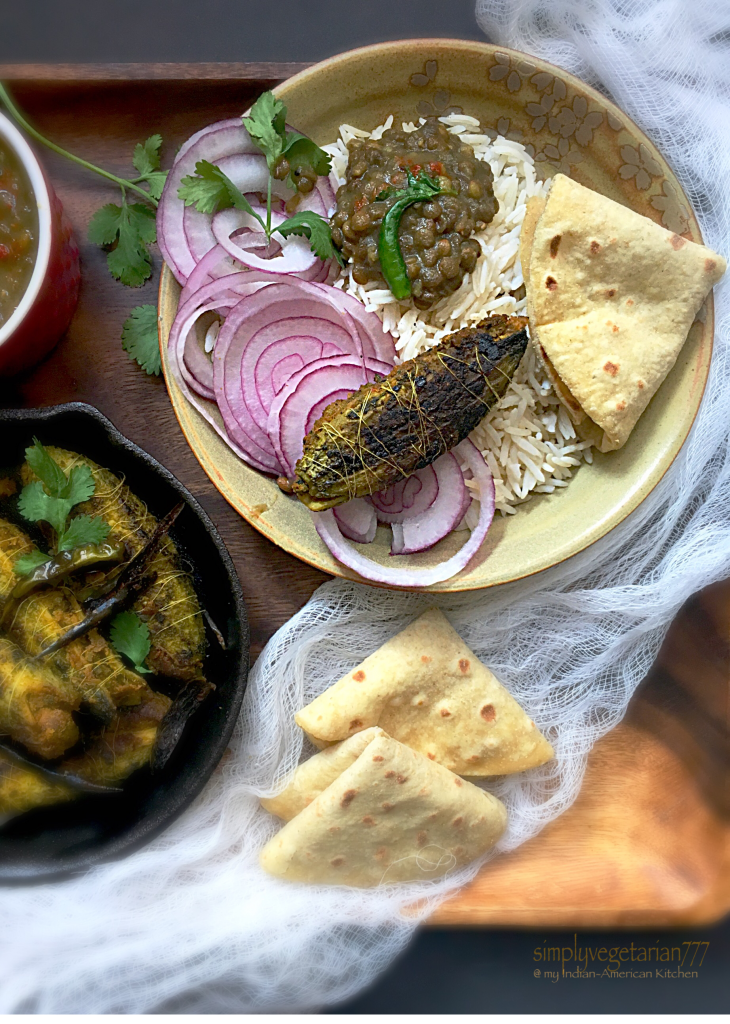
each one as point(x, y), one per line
point(392, 263)
point(57, 568)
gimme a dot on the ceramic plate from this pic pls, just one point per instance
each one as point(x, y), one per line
point(567, 127)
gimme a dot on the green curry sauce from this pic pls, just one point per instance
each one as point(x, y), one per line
point(18, 232)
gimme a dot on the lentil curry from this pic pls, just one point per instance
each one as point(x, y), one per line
point(18, 232)
point(434, 236)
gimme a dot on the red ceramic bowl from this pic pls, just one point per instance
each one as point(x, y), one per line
point(46, 308)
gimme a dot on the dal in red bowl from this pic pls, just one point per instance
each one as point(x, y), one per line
point(39, 258)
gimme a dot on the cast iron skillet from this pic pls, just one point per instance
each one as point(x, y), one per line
point(54, 841)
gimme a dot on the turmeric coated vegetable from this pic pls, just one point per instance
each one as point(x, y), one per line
point(134, 578)
point(169, 606)
point(123, 746)
point(88, 664)
point(35, 705)
point(23, 787)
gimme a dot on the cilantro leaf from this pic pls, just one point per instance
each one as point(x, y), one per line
point(131, 637)
point(34, 504)
point(128, 229)
point(316, 229)
point(146, 160)
point(147, 155)
point(267, 127)
point(210, 190)
point(80, 485)
point(302, 152)
point(83, 530)
point(156, 181)
point(139, 338)
point(25, 565)
point(46, 469)
point(422, 187)
point(130, 261)
point(104, 225)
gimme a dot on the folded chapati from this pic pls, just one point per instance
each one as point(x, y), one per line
point(390, 816)
point(426, 688)
point(313, 776)
point(611, 297)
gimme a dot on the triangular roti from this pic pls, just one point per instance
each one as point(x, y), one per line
point(611, 299)
point(533, 211)
point(313, 776)
point(391, 816)
point(426, 688)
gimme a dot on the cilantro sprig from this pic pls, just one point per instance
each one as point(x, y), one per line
point(289, 155)
point(125, 231)
point(146, 160)
point(131, 637)
point(140, 340)
point(316, 229)
point(210, 190)
point(50, 499)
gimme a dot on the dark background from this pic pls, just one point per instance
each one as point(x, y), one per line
point(443, 971)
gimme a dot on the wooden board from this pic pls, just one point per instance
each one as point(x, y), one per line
point(648, 840)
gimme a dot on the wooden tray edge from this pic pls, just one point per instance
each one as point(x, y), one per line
point(267, 71)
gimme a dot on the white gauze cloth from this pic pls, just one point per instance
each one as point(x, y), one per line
point(191, 923)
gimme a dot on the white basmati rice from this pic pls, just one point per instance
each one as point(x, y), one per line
point(527, 439)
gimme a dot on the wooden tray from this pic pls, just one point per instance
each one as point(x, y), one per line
point(648, 840)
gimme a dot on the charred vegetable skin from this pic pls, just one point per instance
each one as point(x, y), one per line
point(169, 606)
point(390, 429)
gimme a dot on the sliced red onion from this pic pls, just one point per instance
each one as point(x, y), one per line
point(250, 173)
point(233, 373)
point(274, 366)
point(407, 498)
point(357, 520)
point(420, 532)
point(342, 549)
point(295, 254)
point(212, 143)
point(210, 413)
point(376, 341)
point(250, 337)
point(227, 291)
point(330, 378)
point(326, 193)
point(196, 367)
point(215, 264)
point(466, 503)
point(216, 294)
